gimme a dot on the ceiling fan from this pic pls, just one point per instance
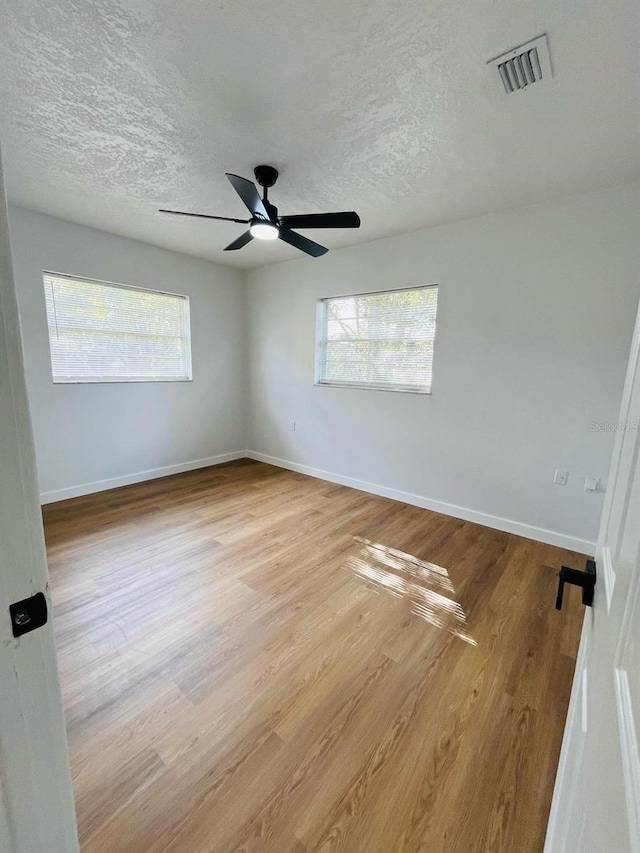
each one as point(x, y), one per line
point(265, 224)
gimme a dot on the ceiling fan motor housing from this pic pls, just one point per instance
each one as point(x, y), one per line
point(272, 210)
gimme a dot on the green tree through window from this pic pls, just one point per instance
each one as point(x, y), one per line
point(378, 340)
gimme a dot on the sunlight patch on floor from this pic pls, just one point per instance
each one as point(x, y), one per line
point(422, 583)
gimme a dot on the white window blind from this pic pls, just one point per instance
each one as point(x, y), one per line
point(378, 340)
point(104, 332)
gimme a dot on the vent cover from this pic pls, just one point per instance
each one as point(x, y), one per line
point(525, 65)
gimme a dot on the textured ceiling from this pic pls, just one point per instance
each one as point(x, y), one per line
point(113, 108)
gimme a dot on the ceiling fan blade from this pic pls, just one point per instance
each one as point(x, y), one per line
point(249, 195)
point(345, 219)
point(302, 243)
point(239, 242)
point(205, 216)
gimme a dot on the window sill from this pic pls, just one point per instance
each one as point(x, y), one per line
point(115, 381)
point(423, 391)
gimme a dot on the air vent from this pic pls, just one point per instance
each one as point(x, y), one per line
point(525, 65)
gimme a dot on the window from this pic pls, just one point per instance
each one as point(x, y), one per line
point(103, 332)
point(378, 340)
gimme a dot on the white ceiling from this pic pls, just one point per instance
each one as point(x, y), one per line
point(113, 108)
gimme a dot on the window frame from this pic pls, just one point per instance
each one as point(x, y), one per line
point(321, 340)
point(137, 289)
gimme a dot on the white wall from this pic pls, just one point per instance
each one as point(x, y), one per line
point(88, 434)
point(536, 310)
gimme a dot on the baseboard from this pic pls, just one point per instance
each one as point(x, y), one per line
point(539, 534)
point(138, 477)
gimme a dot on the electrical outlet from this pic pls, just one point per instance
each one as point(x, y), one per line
point(560, 477)
point(292, 426)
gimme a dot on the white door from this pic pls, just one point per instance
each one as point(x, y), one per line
point(36, 803)
point(596, 802)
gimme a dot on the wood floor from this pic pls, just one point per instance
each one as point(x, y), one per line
point(253, 660)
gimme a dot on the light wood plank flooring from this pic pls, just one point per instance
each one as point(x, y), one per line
point(254, 660)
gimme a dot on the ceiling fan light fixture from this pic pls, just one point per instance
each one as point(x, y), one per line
point(264, 231)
